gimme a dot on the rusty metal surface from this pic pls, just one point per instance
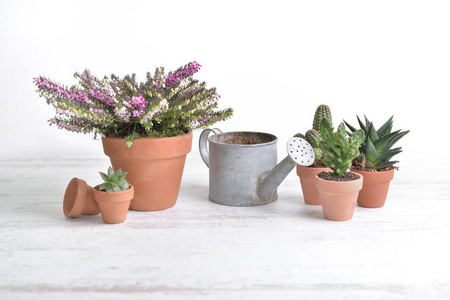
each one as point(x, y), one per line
point(243, 138)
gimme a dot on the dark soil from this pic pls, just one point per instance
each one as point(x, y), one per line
point(372, 169)
point(318, 163)
point(347, 176)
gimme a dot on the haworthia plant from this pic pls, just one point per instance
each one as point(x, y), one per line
point(376, 150)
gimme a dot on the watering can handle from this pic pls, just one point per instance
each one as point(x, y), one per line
point(203, 143)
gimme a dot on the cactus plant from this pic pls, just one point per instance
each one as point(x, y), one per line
point(375, 151)
point(322, 112)
point(339, 150)
point(114, 181)
point(312, 136)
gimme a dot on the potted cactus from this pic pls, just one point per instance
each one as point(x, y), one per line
point(146, 127)
point(308, 174)
point(338, 189)
point(113, 196)
point(374, 161)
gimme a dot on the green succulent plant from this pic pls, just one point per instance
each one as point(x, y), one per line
point(339, 148)
point(376, 150)
point(114, 181)
point(312, 136)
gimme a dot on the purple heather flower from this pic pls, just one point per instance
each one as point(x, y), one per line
point(182, 73)
point(102, 97)
point(138, 102)
point(45, 84)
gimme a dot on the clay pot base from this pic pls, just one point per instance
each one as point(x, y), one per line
point(375, 188)
point(78, 199)
point(339, 198)
point(307, 177)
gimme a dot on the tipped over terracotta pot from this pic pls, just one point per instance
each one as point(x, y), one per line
point(79, 199)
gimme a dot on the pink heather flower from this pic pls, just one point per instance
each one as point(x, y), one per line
point(79, 96)
point(45, 84)
point(183, 73)
point(102, 97)
point(138, 102)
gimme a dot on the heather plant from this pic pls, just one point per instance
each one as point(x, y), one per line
point(163, 105)
point(376, 151)
point(339, 148)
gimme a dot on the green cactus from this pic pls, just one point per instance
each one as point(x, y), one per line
point(300, 135)
point(322, 112)
point(339, 150)
point(312, 136)
point(376, 150)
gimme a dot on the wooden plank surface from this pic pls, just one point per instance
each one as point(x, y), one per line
point(201, 250)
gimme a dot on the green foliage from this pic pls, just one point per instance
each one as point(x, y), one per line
point(114, 181)
point(339, 149)
point(312, 136)
point(376, 150)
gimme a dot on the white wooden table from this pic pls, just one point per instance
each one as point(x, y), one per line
point(201, 250)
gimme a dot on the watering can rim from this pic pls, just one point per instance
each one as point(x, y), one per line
point(274, 141)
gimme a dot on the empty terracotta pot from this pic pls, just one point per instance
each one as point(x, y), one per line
point(79, 199)
point(308, 182)
point(338, 198)
point(154, 165)
point(375, 188)
point(114, 205)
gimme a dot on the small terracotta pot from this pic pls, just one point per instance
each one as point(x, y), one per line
point(113, 206)
point(154, 165)
point(308, 182)
point(79, 199)
point(338, 198)
point(375, 188)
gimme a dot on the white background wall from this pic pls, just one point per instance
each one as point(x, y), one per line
point(274, 62)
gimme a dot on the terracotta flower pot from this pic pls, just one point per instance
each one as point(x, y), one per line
point(338, 197)
point(79, 199)
point(114, 206)
point(375, 188)
point(154, 165)
point(308, 182)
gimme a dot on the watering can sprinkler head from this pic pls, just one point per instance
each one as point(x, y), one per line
point(300, 152)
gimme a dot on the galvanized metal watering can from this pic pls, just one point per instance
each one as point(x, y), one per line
point(243, 169)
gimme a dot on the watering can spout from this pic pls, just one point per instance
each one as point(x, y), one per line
point(269, 182)
point(299, 152)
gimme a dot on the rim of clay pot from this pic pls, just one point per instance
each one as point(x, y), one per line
point(354, 184)
point(379, 176)
point(114, 197)
point(75, 198)
point(148, 148)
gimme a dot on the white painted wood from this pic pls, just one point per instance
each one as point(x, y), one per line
point(201, 250)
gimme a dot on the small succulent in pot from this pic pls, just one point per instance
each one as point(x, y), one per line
point(114, 181)
point(312, 136)
point(375, 151)
point(114, 196)
point(339, 150)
